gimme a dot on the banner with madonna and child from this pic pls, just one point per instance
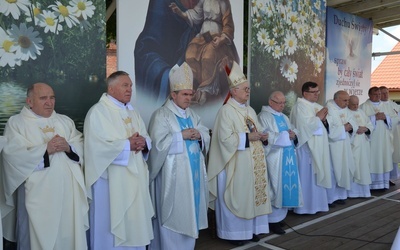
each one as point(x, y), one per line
point(153, 36)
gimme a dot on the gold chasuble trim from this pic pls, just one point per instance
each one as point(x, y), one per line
point(260, 166)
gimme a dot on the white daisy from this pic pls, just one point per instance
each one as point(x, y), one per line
point(270, 10)
point(14, 7)
point(277, 52)
point(262, 36)
point(254, 7)
point(270, 44)
point(82, 8)
point(7, 56)
point(278, 31)
point(284, 65)
point(64, 13)
point(315, 35)
point(27, 44)
point(292, 18)
point(50, 22)
point(300, 31)
point(290, 43)
point(36, 11)
point(292, 72)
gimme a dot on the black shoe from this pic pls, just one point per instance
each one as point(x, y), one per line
point(255, 238)
point(391, 183)
point(237, 242)
point(340, 202)
point(331, 205)
point(276, 228)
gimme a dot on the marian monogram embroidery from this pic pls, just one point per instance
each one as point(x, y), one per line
point(48, 133)
point(128, 126)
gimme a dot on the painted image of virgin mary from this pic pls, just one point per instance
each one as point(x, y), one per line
point(212, 48)
point(160, 46)
point(200, 32)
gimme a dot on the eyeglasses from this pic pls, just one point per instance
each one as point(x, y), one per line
point(279, 103)
point(246, 89)
point(314, 92)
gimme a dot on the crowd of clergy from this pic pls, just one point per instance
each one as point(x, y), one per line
point(125, 186)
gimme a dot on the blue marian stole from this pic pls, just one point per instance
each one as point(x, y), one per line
point(290, 174)
point(193, 151)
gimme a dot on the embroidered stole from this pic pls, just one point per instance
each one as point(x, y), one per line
point(260, 166)
point(290, 174)
point(193, 151)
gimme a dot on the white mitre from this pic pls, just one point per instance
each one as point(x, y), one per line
point(235, 76)
point(181, 77)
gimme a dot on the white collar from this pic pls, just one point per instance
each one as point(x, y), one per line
point(375, 103)
point(120, 104)
point(271, 110)
point(242, 105)
point(182, 111)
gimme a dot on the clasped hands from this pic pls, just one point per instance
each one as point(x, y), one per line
point(58, 144)
point(191, 134)
point(137, 142)
point(380, 116)
point(322, 114)
point(361, 130)
point(348, 127)
point(255, 136)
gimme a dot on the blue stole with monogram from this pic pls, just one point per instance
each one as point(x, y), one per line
point(290, 178)
point(193, 151)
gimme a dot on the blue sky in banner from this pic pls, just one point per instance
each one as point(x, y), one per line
point(349, 46)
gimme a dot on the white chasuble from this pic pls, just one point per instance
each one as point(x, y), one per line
point(107, 128)
point(393, 109)
point(312, 131)
point(246, 191)
point(281, 159)
point(176, 195)
point(361, 148)
point(55, 196)
point(381, 139)
point(340, 144)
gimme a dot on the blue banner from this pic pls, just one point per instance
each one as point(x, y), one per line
point(348, 53)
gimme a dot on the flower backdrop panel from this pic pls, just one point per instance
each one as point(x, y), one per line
point(152, 38)
point(61, 43)
point(287, 48)
point(348, 53)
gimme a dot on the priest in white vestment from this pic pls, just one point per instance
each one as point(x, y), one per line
point(43, 177)
point(309, 118)
point(116, 173)
point(177, 167)
point(361, 148)
point(341, 125)
point(280, 153)
point(238, 178)
point(381, 140)
point(393, 109)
